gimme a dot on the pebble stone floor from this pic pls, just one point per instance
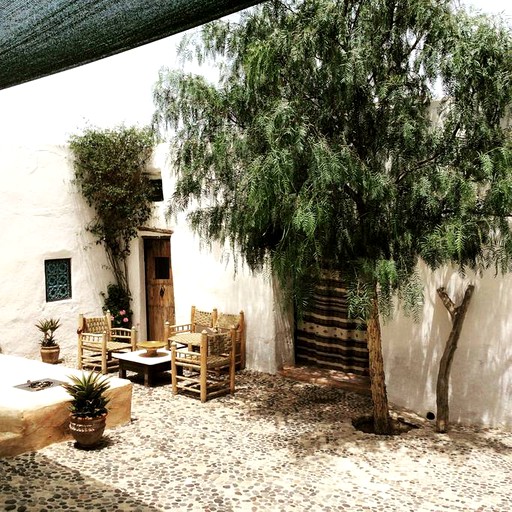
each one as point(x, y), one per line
point(276, 445)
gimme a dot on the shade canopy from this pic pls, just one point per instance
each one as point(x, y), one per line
point(42, 37)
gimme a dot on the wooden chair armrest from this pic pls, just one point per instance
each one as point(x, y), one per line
point(92, 336)
point(121, 329)
point(225, 329)
point(180, 328)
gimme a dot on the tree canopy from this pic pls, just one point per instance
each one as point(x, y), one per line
point(352, 134)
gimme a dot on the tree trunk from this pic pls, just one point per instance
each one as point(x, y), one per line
point(381, 420)
point(457, 316)
point(119, 268)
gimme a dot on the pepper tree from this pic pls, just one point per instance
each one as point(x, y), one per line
point(349, 134)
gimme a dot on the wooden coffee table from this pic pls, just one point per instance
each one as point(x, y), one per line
point(148, 366)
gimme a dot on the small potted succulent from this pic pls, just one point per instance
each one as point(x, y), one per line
point(50, 349)
point(88, 407)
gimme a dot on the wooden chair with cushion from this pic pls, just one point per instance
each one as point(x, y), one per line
point(205, 369)
point(98, 341)
point(191, 332)
point(226, 321)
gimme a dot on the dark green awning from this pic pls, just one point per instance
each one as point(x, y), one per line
point(41, 37)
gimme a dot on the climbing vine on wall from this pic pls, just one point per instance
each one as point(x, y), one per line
point(110, 172)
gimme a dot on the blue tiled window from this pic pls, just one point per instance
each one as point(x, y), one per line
point(58, 279)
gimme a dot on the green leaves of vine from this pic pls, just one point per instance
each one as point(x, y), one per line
point(110, 172)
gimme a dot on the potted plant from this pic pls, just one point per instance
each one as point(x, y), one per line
point(88, 407)
point(50, 349)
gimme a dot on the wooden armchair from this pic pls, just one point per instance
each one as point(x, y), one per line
point(205, 368)
point(226, 321)
point(98, 341)
point(186, 333)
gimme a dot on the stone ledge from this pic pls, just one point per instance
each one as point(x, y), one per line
point(30, 420)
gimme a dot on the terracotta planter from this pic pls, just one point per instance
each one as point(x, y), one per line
point(50, 354)
point(87, 432)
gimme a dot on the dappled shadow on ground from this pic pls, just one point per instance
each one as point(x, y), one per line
point(41, 484)
point(286, 401)
point(275, 445)
point(327, 378)
point(271, 396)
point(366, 424)
point(468, 439)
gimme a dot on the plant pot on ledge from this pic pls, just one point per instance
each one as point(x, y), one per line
point(50, 354)
point(50, 349)
point(88, 408)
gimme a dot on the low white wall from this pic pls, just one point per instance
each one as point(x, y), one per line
point(481, 374)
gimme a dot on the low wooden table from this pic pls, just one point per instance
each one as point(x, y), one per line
point(147, 366)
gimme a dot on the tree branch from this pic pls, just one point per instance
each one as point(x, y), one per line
point(430, 159)
point(448, 303)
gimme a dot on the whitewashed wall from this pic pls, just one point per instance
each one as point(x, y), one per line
point(206, 278)
point(43, 217)
point(481, 375)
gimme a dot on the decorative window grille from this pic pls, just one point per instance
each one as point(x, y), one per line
point(58, 279)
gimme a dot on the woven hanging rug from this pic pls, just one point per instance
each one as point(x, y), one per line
point(326, 337)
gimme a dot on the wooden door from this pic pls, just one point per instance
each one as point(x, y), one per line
point(159, 286)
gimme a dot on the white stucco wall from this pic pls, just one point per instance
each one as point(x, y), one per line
point(481, 375)
point(205, 277)
point(207, 280)
point(44, 217)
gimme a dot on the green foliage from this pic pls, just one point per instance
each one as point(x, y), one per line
point(48, 326)
point(110, 172)
point(117, 301)
point(323, 146)
point(88, 394)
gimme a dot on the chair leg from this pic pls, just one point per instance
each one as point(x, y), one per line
point(232, 362)
point(104, 370)
point(174, 372)
point(232, 375)
point(80, 346)
point(133, 339)
point(80, 354)
point(203, 384)
point(203, 368)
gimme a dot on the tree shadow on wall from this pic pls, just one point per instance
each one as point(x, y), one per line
point(480, 383)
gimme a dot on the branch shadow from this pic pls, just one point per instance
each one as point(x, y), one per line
point(481, 381)
point(322, 419)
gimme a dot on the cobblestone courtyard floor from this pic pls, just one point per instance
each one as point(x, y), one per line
point(277, 445)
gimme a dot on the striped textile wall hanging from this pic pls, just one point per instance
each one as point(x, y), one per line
point(326, 337)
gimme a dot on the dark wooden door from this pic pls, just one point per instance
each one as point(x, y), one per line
point(159, 286)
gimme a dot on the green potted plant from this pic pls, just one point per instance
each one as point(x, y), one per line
point(88, 407)
point(50, 349)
